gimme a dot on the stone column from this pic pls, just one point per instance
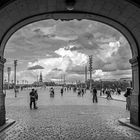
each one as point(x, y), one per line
point(2, 95)
point(135, 98)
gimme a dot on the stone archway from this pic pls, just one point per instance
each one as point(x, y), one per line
point(122, 15)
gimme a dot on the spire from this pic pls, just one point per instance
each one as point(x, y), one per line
point(40, 78)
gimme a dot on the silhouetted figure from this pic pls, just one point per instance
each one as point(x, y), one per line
point(36, 98)
point(51, 92)
point(16, 91)
point(108, 93)
point(127, 95)
point(82, 91)
point(78, 92)
point(62, 91)
point(101, 92)
point(119, 91)
point(74, 89)
point(94, 93)
point(32, 99)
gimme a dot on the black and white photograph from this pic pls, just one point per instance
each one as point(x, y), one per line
point(69, 70)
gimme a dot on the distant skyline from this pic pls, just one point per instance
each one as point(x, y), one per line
point(63, 47)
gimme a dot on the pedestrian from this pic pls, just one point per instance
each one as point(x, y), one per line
point(36, 98)
point(16, 91)
point(101, 92)
point(78, 91)
point(51, 92)
point(62, 90)
point(108, 93)
point(94, 94)
point(127, 95)
point(119, 91)
point(32, 99)
point(83, 92)
point(74, 89)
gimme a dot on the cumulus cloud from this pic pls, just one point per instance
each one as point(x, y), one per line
point(60, 65)
point(76, 70)
point(75, 57)
point(63, 47)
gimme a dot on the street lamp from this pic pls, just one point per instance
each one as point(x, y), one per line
point(85, 76)
point(90, 69)
point(9, 73)
point(15, 65)
point(5, 86)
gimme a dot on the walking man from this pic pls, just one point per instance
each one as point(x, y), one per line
point(83, 92)
point(36, 98)
point(108, 93)
point(62, 90)
point(32, 99)
point(94, 93)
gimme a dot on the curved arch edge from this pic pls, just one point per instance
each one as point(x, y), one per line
point(69, 16)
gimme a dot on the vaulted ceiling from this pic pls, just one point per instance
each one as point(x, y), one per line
point(5, 2)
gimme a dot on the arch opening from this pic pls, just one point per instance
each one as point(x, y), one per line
point(63, 48)
point(84, 15)
point(94, 38)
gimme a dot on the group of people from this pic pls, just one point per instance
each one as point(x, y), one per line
point(112, 91)
point(80, 92)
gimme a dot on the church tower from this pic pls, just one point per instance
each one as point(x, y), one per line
point(40, 78)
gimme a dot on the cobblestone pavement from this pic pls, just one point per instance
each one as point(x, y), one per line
point(66, 118)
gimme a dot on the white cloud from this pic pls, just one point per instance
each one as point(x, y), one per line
point(66, 45)
point(107, 50)
point(48, 55)
point(65, 60)
point(75, 57)
point(45, 30)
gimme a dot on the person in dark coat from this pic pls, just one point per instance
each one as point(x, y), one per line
point(52, 92)
point(62, 91)
point(78, 91)
point(36, 98)
point(82, 91)
point(108, 93)
point(32, 99)
point(127, 95)
point(94, 93)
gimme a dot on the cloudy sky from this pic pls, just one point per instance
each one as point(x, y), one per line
point(63, 47)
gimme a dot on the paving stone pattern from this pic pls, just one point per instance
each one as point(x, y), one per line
point(74, 118)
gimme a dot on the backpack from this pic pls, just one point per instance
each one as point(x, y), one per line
point(125, 95)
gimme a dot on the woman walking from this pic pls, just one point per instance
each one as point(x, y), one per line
point(127, 95)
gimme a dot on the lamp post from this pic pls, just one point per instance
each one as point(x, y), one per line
point(9, 73)
point(64, 79)
point(90, 70)
point(85, 77)
point(15, 66)
point(5, 86)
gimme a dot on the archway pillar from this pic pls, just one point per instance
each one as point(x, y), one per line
point(2, 95)
point(135, 97)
